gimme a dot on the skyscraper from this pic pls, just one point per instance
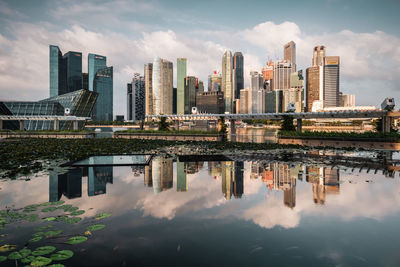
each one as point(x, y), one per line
point(257, 99)
point(181, 65)
point(190, 94)
point(227, 86)
point(318, 55)
point(331, 81)
point(148, 81)
point(103, 85)
point(136, 98)
point(238, 74)
point(282, 70)
point(314, 86)
point(65, 71)
point(214, 82)
point(95, 63)
point(289, 53)
point(162, 86)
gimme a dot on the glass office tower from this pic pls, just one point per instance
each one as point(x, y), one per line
point(238, 74)
point(95, 63)
point(180, 93)
point(73, 66)
point(103, 85)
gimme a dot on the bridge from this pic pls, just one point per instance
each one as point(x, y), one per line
point(387, 117)
point(55, 118)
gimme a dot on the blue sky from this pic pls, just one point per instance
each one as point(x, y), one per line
point(365, 34)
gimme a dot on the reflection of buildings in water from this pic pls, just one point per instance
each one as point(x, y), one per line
point(325, 180)
point(214, 169)
point(181, 184)
point(148, 176)
point(285, 179)
point(255, 170)
point(232, 179)
point(98, 177)
point(137, 170)
point(68, 184)
point(162, 174)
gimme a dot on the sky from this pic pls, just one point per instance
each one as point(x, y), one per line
point(130, 33)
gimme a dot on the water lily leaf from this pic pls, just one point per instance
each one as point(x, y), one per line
point(102, 216)
point(57, 265)
point(6, 248)
point(28, 259)
point(49, 209)
point(57, 203)
point(46, 204)
point(35, 239)
point(72, 220)
point(32, 217)
point(62, 255)
point(38, 234)
point(15, 256)
point(65, 207)
point(76, 240)
point(25, 252)
point(3, 258)
point(49, 219)
point(44, 227)
point(43, 250)
point(40, 261)
point(77, 213)
point(30, 208)
point(96, 227)
point(52, 233)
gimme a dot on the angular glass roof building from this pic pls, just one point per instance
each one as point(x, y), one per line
point(80, 103)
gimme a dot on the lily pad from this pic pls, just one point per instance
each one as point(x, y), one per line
point(73, 220)
point(49, 209)
point(40, 261)
point(15, 256)
point(43, 250)
point(76, 240)
point(57, 265)
point(28, 259)
point(30, 208)
point(38, 234)
point(56, 203)
point(52, 233)
point(32, 217)
point(25, 252)
point(43, 227)
point(49, 219)
point(77, 213)
point(62, 255)
point(6, 248)
point(102, 216)
point(46, 204)
point(3, 258)
point(35, 239)
point(96, 227)
point(65, 207)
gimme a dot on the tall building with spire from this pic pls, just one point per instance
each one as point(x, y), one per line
point(227, 86)
point(238, 77)
point(181, 69)
point(289, 53)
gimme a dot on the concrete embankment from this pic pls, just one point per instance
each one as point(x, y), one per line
point(170, 137)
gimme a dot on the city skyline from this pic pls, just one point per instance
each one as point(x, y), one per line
point(369, 56)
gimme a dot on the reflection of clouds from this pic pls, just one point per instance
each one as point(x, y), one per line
point(368, 200)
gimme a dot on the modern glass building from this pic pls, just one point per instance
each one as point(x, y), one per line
point(190, 94)
point(273, 101)
point(80, 103)
point(227, 86)
point(95, 63)
point(181, 76)
point(65, 71)
point(162, 85)
point(103, 85)
point(238, 74)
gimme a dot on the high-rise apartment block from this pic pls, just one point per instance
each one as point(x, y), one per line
point(181, 66)
point(256, 93)
point(331, 81)
point(162, 81)
point(227, 85)
point(136, 98)
point(314, 85)
point(289, 53)
point(65, 71)
point(282, 71)
point(238, 77)
point(148, 81)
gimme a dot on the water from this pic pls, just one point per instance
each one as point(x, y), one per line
point(264, 210)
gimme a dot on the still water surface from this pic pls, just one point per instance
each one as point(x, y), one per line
point(187, 212)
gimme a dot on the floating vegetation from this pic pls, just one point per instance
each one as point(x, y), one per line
point(45, 255)
point(62, 255)
point(40, 261)
point(102, 216)
point(43, 250)
point(76, 240)
point(57, 265)
point(96, 227)
point(77, 213)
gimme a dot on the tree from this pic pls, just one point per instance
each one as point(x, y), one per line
point(163, 125)
point(287, 123)
point(223, 129)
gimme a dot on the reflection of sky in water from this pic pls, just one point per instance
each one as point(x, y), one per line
point(249, 213)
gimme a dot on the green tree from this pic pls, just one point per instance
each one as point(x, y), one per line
point(287, 123)
point(163, 125)
point(223, 129)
